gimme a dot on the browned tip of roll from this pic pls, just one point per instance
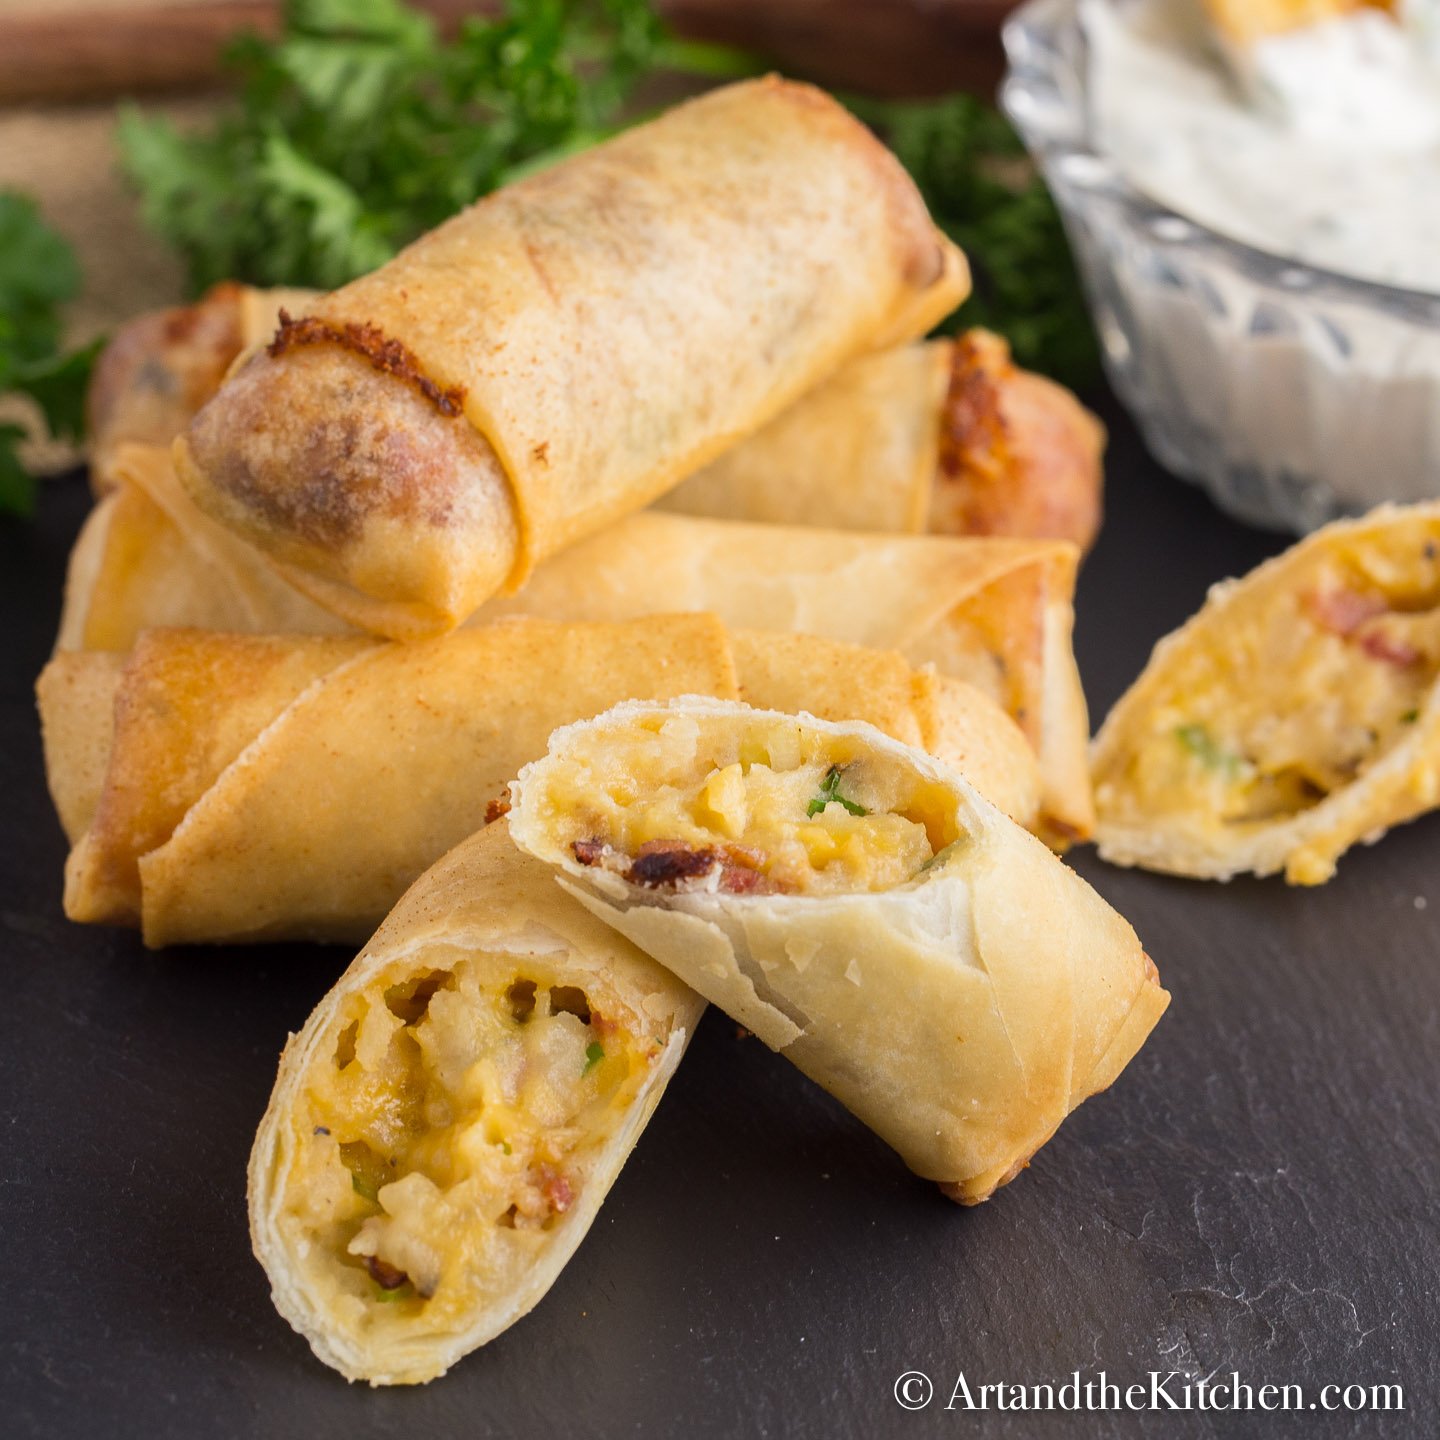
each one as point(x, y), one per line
point(160, 368)
point(389, 356)
point(1019, 454)
point(957, 1191)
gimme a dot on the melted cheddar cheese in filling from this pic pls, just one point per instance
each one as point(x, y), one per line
point(448, 1124)
point(1288, 702)
point(770, 807)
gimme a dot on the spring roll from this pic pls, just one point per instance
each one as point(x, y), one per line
point(160, 368)
point(996, 613)
point(566, 350)
point(862, 909)
point(444, 1129)
point(269, 787)
point(949, 437)
point(1295, 714)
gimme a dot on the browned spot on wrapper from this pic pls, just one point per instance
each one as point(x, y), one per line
point(383, 354)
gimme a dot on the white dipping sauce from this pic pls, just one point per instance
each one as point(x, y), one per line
point(1329, 154)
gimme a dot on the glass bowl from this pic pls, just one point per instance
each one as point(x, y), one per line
point(1291, 394)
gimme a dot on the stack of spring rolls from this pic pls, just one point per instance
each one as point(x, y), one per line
point(616, 600)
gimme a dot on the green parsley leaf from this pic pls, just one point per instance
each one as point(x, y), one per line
point(359, 128)
point(594, 1054)
point(57, 384)
point(364, 1188)
point(1208, 751)
point(17, 485)
point(400, 1292)
point(830, 793)
point(1409, 717)
point(38, 274)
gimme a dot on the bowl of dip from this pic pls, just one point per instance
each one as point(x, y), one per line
point(1262, 264)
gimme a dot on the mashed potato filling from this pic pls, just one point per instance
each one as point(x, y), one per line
point(1306, 693)
point(448, 1124)
point(771, 807)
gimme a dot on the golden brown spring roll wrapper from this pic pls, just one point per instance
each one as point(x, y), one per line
point(1293, 716)
point(565, 350)
point(511, 1130)
point(995, 613)
point(264, 787)
point(161, 367)
point(948, 437)
point(961, 1007)
point(283, 786)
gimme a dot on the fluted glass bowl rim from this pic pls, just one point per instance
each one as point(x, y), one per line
point(1075, 140)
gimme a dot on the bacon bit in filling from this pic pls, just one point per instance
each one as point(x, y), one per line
point(556, 1188)
point(387, 1277)
point(1380, 646)
point(591, 852)
point(1348, 613)
point(369, 342)
point(1342, 612)
point(496, 808)
point(671, 864)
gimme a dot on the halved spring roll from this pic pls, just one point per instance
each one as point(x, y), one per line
point(1295, 714)
point(267, 787)
point(445, 1127)
point(949, 437)
point(859, 907)
point(565, 350)
point(161, 367)
point(995, 613)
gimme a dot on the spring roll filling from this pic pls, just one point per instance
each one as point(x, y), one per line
point(1305, 696)
point(447, 1124)
point(777, 808)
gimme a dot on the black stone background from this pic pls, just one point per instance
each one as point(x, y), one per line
point(1257, 1192)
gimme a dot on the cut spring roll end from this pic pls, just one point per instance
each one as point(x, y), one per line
point(445, 1127)
point(1295, 714)
point(859, 907)
point(423, 527)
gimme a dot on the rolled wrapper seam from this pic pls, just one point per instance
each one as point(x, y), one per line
point(487, 908)
point(962, 1015)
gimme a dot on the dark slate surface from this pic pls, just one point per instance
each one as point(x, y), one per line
point(1258, 1192)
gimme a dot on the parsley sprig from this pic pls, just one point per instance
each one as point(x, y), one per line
point(830, 795)
point(361, 128)
point(38, 274)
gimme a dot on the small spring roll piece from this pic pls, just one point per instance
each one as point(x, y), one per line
point(948, 437)
point(994, 613)
point(161, 367)
point(858, 906)
point(567, 349)
point(269, 787)
point(444, 1129)
point(1295, 714)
